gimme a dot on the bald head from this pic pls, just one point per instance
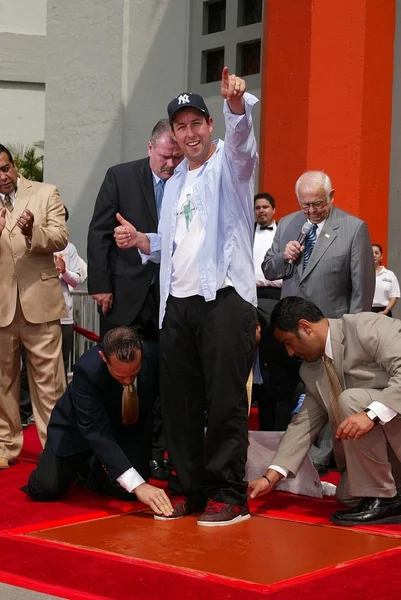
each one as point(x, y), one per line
point(312, 181)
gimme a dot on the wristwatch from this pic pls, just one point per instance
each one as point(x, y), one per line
point(372, 416)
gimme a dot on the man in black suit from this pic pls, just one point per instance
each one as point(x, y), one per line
point(99, 414)
point(125, 290)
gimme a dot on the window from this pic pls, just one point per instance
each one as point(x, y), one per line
point(249, 12)
point(248, 58)
point(214, 16)
point(212, 64)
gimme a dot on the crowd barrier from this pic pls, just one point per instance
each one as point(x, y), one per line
point(86, 324)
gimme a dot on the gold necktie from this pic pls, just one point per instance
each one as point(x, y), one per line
point(335, 388)
point(249, 385)
point(130, 405)
point(8, 203)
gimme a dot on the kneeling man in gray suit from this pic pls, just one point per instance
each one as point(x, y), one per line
point(352, 374)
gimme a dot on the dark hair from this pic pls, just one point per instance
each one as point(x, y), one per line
point(290, 310)
point(67, 214)
point(265, 196)
point(378, 246)
point(161, 127)
point(179, 111)
point(7, 151)
point(121, 342)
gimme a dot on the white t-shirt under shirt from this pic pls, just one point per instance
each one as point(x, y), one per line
point(188, 240)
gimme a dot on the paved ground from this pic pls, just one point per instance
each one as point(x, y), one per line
point(9, 592)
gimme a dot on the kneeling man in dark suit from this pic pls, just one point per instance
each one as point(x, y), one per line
point(99, 415)
point(352, 375)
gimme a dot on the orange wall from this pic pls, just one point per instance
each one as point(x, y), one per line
point(327, 74)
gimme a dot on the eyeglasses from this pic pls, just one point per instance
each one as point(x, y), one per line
point(316, 205)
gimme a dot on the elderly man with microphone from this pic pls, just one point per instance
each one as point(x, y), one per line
point(323, 255)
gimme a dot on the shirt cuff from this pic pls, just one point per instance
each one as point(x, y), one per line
point(249, 101)
point(70, 277)
point(130, 480)
point(282, 470)
point(384, 413)
point(155, 249)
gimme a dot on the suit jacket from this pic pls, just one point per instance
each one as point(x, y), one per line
point(127, 188)
point(340, 275)
point(30, 269)
point(89, 414)
point(367, 354)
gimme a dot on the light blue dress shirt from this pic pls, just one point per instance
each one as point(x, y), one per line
point(223, 195)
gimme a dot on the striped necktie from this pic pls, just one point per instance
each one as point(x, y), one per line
point(159, 196)
point(8, 203)
point(310, 244)
point(130, 405)
point(335, 388)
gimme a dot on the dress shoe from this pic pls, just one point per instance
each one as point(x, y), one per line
point(158, 470)
point(370, 511)
point(4, 464)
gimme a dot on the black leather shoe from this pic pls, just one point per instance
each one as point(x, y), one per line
point(158, 470)
point(371, 511)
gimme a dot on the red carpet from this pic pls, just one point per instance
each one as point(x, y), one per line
point(75, 573)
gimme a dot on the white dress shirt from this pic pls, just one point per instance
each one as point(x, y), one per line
point(387, 287)
point(13, 195)
point(130, 480)
point(384, 413)
point(263, 240)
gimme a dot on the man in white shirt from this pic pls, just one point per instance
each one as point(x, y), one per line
point(207, 299)
point(352, 374)
point(101, 414)
point(275, 375)
point(268, 292)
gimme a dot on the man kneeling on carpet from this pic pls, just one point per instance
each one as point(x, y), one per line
point(100, 416)
point(352, 374)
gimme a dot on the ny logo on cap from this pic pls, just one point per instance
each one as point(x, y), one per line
point(183, 99)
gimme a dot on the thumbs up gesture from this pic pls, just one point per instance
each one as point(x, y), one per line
point(125, 234)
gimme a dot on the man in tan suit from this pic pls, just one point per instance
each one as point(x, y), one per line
point(352, 374)
point(32, 227)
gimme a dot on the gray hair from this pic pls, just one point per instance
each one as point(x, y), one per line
point(316, 179)
point(163, 126)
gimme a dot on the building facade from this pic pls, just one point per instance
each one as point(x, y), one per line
point(327, 73)
point(22, 71)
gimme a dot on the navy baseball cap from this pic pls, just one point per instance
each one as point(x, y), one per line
point(187, 101)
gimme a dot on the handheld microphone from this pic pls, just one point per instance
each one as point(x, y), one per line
point(306, 227)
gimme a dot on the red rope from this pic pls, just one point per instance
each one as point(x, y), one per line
point(90, 335)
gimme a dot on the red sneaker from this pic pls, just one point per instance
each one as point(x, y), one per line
point(181, 508)
point(221, 513)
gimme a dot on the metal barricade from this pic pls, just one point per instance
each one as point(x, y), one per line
point(85, 316)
